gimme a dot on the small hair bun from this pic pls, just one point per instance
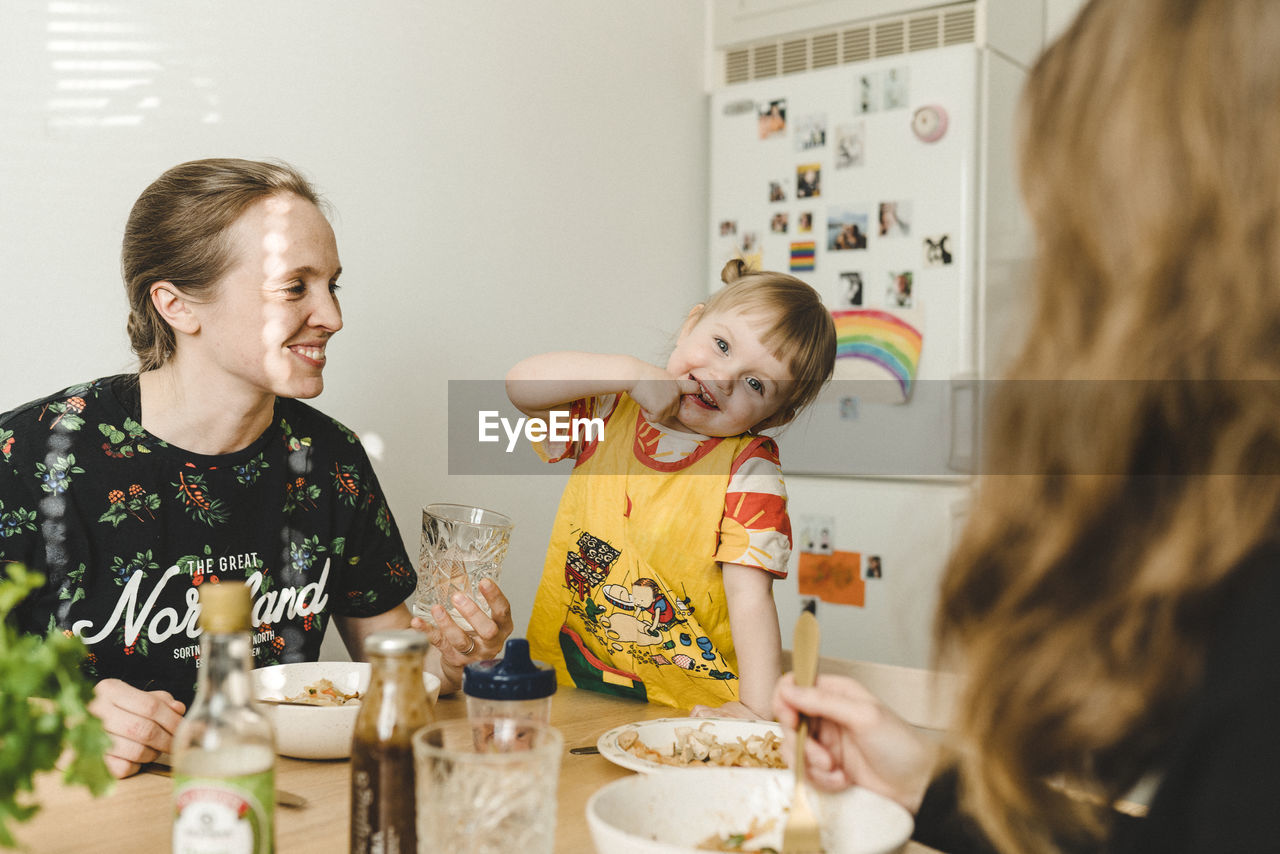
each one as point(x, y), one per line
point(734, 270)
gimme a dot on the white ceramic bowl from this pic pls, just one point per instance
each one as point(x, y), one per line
point(671, 812)
point(317, 732)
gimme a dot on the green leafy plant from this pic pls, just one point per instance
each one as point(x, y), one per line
point(44, 701)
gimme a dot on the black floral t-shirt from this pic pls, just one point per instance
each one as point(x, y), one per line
point(126, 527)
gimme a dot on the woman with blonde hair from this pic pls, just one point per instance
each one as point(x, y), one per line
point(1112, 604)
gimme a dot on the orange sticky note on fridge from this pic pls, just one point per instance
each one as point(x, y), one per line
point(835, 578)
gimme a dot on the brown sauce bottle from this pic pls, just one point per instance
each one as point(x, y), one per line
point(383, 814)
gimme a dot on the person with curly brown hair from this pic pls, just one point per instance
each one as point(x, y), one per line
point(1111, 605)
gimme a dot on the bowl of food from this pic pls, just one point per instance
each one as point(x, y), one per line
point(313, 704)
point(735, 809)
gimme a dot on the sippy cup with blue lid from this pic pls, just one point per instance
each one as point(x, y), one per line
point(514, 686)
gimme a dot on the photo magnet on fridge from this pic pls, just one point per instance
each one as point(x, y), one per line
point(802, 256)
point(777, 191)
point(850, 144)
point(778, 225)
point(937, 251)
point(850, 289)
point(896, 91)
point(817, 534)
point(898, 293)
point(811, 132)
point(846, 229)
point(772, 118)
point(866, 93)
point(874, 570)
point(895, 219)
point(808, 180)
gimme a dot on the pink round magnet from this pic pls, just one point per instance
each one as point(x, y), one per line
point(929, 123)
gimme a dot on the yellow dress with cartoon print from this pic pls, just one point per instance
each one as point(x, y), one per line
point(631, 600)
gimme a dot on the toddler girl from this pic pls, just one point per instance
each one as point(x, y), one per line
point(658, 579)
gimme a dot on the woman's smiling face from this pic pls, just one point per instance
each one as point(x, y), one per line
point(275, 310)
point(743, 383)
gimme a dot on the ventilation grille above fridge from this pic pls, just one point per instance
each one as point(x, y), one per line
point(948, 25)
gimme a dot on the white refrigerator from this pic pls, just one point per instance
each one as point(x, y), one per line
point(889, 186)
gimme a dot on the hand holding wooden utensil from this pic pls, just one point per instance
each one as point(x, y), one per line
point(801, 835)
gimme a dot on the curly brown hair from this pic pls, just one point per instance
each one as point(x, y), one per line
point(1082, 594)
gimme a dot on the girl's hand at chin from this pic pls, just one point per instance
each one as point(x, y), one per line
point(659, 394)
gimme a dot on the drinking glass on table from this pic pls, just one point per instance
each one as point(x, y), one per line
point(461, 546)
point(487, 785)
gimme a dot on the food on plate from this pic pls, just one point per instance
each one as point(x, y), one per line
point(322, 692)
point(738, 841)
point(700, 746)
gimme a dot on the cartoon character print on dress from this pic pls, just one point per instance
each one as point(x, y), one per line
point(632, 617)
point(586, 568)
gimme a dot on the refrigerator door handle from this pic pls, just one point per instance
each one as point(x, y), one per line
point(963, 409)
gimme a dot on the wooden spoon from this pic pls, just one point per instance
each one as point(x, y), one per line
point(801, 834)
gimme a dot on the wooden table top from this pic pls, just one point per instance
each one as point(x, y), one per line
point(137, 815)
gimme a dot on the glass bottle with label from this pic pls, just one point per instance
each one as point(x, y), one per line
point(224, 751)
point(395, 706)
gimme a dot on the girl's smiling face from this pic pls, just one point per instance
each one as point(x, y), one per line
point(275, 310)
point(742, 382)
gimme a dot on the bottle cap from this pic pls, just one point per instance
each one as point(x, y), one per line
point(515, 676)
point(396, 642)
point(225, 607)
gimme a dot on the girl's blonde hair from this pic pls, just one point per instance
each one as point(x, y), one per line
point(177, 230)
point(1083, 593)
point(800, 330)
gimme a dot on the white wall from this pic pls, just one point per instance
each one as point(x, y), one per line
point(509, 177)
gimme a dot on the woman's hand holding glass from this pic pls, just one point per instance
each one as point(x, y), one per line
point(458, 647)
